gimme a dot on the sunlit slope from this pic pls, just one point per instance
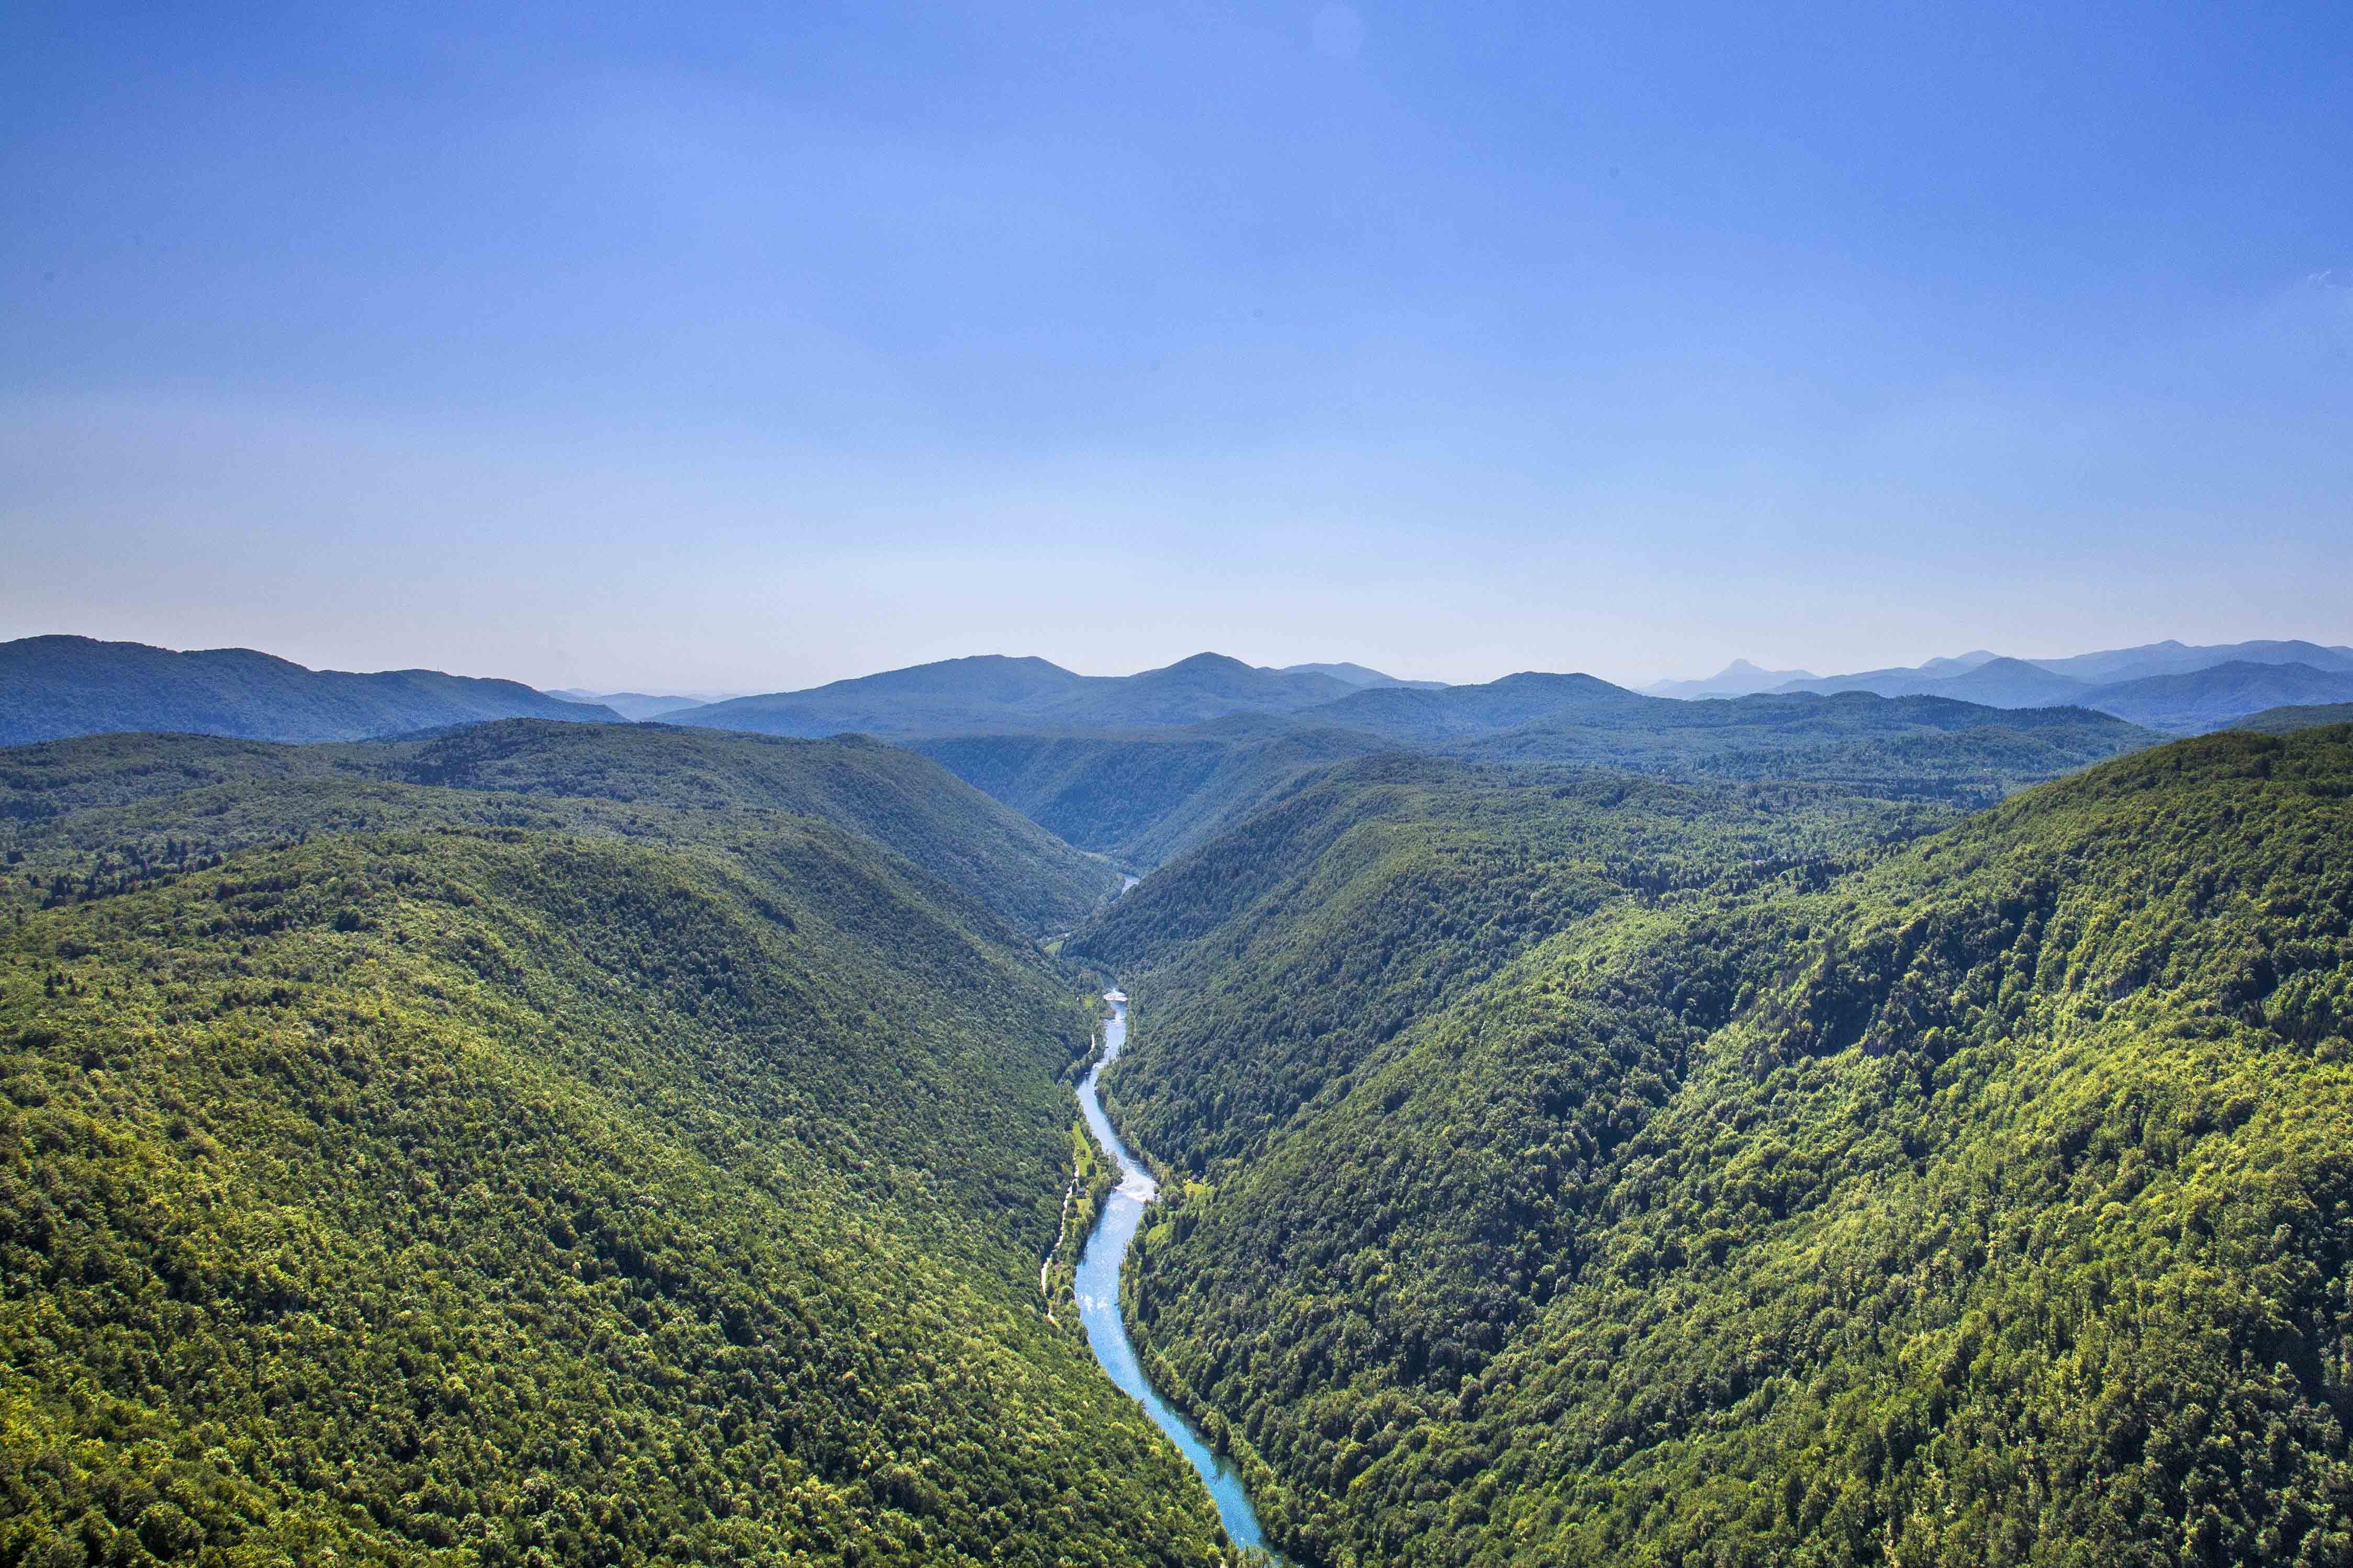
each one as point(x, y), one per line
point(507, 1195)
point(1992, 1204)
point(1272, 963)
point(1149, 796)
point(893, 797)
point(1144, 799)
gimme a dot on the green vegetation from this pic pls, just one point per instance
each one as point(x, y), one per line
point(993, 694)
point(408, 1174)
point(1984, 1200)
point(1147, 797)
point(636, 780)
point(61, 686)
point(1144, 799)
point(1922, 748)
point(2281, 721)
point(545, 1144)
point(1270, 964)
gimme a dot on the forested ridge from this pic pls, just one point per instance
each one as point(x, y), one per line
point(127, 800)
point(586, 1144)
point(1984, 1199)
point(405, 1174)
point(56, 685)
point(1285, 954)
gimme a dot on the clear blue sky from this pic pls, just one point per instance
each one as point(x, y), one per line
point(750, 347)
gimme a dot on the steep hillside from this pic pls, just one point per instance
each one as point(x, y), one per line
point(1145, 797)
point(52, 687)
point(620, 1183)
point(1142, 799)
point(893, 797)
point(1268, 965)
point(1983, 1203)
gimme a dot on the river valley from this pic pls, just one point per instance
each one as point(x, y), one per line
point(1098, 1293)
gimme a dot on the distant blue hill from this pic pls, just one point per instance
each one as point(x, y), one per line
point(56, 686)
point(996, 693)
point(2209, 685)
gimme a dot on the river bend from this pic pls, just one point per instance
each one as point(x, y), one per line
point(1098, 1292)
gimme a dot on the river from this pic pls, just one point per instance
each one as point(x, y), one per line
point(1098, 1293)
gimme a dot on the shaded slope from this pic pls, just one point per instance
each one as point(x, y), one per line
point(1144, 798)
point(1148, 796)
point(52, 687)
point(1271, 964)
point(1986, 1203)
point(1908, 747)
point(2210, 698)
point(953, 694)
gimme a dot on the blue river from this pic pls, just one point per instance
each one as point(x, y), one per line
point(1098, 1293)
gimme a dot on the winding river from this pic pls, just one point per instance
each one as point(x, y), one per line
point(1098, 1293)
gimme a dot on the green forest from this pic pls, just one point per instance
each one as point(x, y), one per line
point(401, 1173)
point(541, 1143)
point(1979, 1198)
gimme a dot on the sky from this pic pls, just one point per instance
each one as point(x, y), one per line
point(737, 348)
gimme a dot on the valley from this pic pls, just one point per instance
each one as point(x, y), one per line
point(1324, 785)
point(1584, 1126)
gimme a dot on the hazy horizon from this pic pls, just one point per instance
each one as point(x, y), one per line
point(718, 693)
point(689, 350)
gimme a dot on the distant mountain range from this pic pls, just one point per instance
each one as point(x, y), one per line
point(641, 705)
point(1358, 674)
point(1738, 679)
point(993, 692)
point(54, 687)
point(2167, 686)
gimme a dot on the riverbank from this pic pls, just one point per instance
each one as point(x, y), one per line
point(1096, 1286)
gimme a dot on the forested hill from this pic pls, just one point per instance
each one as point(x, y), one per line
point(1984, 1200)
point(52, 687)
point(1271, 963)
point(1147, 796)
point(469, 1177)
point(895, 798)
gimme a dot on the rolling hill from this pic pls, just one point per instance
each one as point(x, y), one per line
point(53, 687)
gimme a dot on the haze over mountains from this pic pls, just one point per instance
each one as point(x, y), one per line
point(52, 687)
point(2167, 686)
